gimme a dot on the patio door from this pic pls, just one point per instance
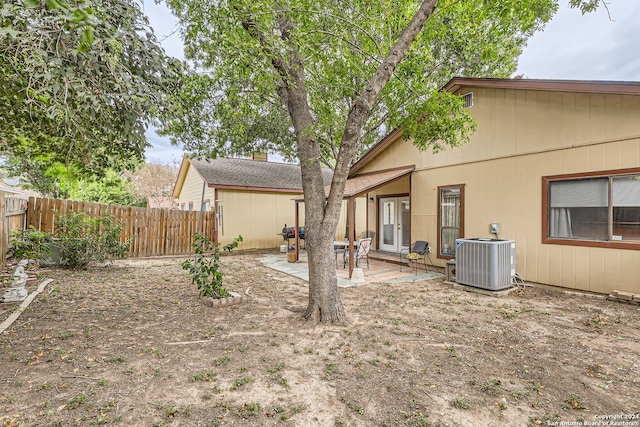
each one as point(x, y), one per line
point(394, 224)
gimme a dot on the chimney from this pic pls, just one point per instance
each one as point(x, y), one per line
point(261, 157)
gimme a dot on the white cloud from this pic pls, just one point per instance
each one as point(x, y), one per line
point(586, 47)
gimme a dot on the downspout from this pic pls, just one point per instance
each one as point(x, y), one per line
point(216, 216)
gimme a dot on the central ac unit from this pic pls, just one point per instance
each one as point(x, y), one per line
point(486, 263)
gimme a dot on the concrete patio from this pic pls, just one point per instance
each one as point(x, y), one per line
point(379, 271)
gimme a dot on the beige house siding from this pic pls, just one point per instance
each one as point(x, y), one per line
point(258, 216)
point(524, 135)
point(258, 229)
point(191, 191)
point(517, 123)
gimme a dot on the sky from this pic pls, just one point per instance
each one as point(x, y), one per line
point(603, 45)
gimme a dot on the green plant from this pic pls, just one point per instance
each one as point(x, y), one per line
point(205, 272)
point(117, 358)
point(492, 386)
point(221, 361)
point(29, 244)
point(459, 403)
point(204, 376)
point(573, 402)
point(75, 402)
point(240, 382)
point(83, 239)
point(249, 410)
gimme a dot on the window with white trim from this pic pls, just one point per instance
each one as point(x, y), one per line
point(593, 208)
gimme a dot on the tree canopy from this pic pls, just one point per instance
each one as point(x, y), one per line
point(80, 85)
point(233, 105)
point(153, 182)
point(323, 80)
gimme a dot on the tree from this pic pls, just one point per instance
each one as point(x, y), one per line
point(322, 80)
point(80, 85)
point(153, 182)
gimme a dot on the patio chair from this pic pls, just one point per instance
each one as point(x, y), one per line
point(368, 233)
point(361, 252)
point(417, 256)
point(338, 250)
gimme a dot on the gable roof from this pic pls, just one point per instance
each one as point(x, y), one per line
point(578, 86)
point(366, 182)
point(247, 174)
point(457, 83)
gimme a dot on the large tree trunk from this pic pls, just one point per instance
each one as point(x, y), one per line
point(321, 214)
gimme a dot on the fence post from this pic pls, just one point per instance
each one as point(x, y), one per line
point(4, 231)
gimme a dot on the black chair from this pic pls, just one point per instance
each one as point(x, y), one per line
point(417, 256)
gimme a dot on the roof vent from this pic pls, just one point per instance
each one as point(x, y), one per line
point(468, 100)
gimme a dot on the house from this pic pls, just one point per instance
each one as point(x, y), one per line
point(252, 198)
point(554, 165)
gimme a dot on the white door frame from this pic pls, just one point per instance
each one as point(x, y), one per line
point(393, 225)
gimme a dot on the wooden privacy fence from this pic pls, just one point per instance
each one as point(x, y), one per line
point(155, 232)
point(12, 218)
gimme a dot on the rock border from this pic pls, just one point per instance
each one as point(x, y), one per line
point(233, 299)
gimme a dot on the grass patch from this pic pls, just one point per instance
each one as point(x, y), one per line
point(204, 376)
point(459, 403)
point(492, 386)
point(240, 382)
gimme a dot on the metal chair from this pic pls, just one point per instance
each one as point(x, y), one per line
point(417, 256)
point(361, 252)
point(338, 250)
point(367, 233)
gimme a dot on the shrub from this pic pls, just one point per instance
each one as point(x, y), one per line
point(205, 272)
point(29, 244)
point(83, 239)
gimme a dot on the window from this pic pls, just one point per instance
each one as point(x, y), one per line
point(190, 206)
point(206, 205)
point(598, 209)
point(182, 206)
point(467, 98)
point(450, 219)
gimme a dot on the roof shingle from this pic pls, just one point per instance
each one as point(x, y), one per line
point(252, 173)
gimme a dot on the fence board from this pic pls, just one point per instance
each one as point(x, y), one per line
point(154, 232)
point(4, 231)
point(13, 214)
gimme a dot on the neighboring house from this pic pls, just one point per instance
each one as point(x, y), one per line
point(252, 198)
point(556, 164)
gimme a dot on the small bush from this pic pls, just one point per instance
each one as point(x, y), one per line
point(83, 239)
point(205, 272)
point(29, 244)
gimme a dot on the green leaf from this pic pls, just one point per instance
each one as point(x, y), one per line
point(86, 39)
point(53, 4)
point(79, 15)
point(32, 3)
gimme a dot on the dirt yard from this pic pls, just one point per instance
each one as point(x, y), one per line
point(130, 344)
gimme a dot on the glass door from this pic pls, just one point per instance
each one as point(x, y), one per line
point(394, 223)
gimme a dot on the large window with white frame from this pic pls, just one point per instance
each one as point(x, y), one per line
point(594, 209)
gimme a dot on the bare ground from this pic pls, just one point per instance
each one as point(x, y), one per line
point(130, 344)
